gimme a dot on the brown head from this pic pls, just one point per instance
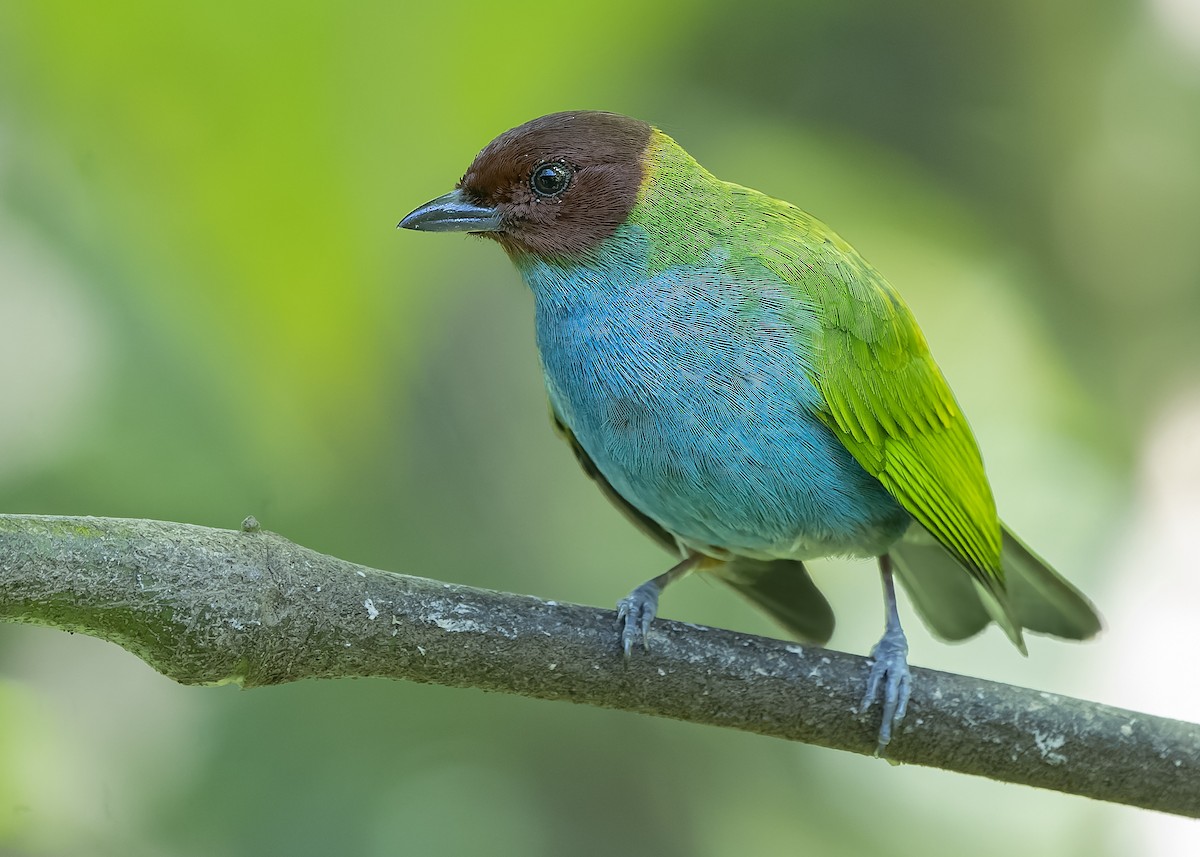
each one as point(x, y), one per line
point(555, 186)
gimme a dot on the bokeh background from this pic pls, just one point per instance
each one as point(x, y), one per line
point(205, 312)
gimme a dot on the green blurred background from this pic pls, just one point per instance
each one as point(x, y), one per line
point(205, 312)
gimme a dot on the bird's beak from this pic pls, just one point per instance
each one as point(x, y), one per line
point(452, 213)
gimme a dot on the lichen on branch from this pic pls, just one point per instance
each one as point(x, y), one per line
point(208, 606)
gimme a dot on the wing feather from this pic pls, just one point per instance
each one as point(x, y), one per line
point(884, 396)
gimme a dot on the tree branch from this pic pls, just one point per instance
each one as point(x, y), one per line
point(206, 606)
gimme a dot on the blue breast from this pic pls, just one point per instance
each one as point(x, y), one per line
point(692, 392)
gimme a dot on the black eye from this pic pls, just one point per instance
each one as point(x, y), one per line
point(550, 179)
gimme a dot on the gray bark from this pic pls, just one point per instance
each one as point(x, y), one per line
point(206, 606)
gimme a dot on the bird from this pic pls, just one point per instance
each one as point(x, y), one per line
point(749, 391)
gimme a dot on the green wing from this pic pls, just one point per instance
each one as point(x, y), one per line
point(886, 399)
point(888, 402)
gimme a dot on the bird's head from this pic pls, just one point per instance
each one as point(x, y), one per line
point(556, 186)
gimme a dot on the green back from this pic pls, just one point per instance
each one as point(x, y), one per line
point(885, 398)
point(888, 402)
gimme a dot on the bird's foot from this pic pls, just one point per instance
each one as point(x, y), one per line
point(889, 675)
point(635, 612)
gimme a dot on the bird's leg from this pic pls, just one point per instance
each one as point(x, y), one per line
point(889, 665)
point(636, 610)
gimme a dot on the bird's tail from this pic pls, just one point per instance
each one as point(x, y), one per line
point(785, 591)
point(954, 606)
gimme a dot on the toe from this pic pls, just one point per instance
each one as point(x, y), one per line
point(889, 682)
point(636, 612)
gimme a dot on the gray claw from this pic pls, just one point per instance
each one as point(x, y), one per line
point(635, 612)
point(889, 673)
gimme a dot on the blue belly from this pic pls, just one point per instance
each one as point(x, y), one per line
point(694, 398)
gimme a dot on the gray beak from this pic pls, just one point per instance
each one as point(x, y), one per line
point(452, 213)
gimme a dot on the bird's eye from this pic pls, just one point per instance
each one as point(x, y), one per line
point(550, 179)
